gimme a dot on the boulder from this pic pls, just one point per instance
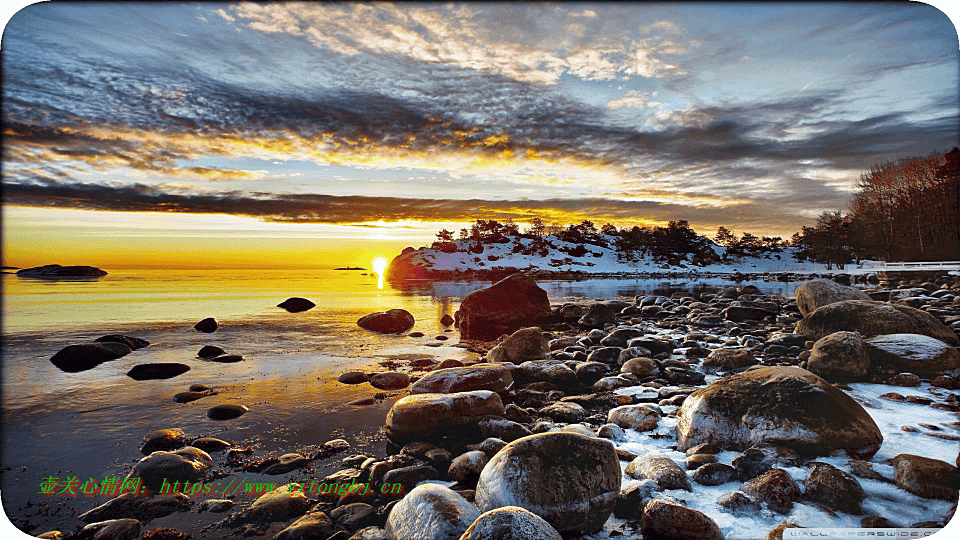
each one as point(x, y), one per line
point(510, 523)
point(551, 371)
point(207, 325)
point(466, 467)
point(210, 351)
point(426, 414)
point(354, 516)
point(508, 305)
point(430, 512)
point(654, 345)
point(759, 459)
point(55, 271)
point(774, 487)
point(312, 525)
point(728, 359)
point(745, 313)
point(285, 502)
point(569, 480)
point(714, 474)
point(210, 444)
point(390, 380)
point(563, 411)
point(913, 353)
point(636, 417)
point(409, 477)
point(786, 406)
point(640, 366)
point(821, 292)
point(187, 397)
point(501, 428)
point(841, 356)
point(353, 377)
point(135, 506)
point(493, 377)
point(929, 478)
point(163, 439)
point(157, 370)
point(522, 345)
point(394, 321)
point(133, 342)
point(667, 519)
point(834, 488)
point(112, 529)
point(598, 315)
point(446, 320)
point(296, 304)
point(873, 319)
point(659, 468)
point(187, 464)
point(77, 358)
point(228, 411)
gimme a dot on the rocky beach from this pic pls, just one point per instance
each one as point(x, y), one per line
point(728, 414)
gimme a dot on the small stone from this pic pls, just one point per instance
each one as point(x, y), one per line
point(226, 412)
point(353, 377)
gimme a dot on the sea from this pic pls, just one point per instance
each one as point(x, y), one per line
point(89, 425)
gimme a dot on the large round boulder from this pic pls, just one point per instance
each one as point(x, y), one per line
point(786, 406)
point(522, 345)
point(841, 356)
point(493, 377)
point(667, 519)
point(430, 512)
point(820, 292)
point(913, 353)
point(76, 358)
point(394, 321)
point(873, 319)
point(508, 305)
point(187, 464)
point(570, 480)
point(510, 523)
point(428, 414)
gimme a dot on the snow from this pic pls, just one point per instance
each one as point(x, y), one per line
point(607, 261)
point(910, 346)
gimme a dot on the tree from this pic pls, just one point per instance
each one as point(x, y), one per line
point(464, 234)
point(725, 237)
point(608, 229)
point(537, 226)
point(445, 235)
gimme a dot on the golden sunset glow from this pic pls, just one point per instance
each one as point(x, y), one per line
point(379, 264)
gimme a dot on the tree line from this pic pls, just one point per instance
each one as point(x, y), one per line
point(906, 210)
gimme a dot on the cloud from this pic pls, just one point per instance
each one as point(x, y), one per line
point(634, 99)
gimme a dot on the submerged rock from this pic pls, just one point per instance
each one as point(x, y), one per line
point(157, 370)
point(394, 321)
point(296, 304)
point(821, 292)
point(77, 358)
point(210, 351)
point(508, 305)
point(390, 380)
point(569, 480)
point(786, 406)
point(430, 512)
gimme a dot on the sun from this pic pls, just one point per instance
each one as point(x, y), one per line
point(379, 264)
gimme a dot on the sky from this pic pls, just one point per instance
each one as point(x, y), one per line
point(242, 134)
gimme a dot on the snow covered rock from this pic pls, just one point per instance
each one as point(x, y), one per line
point(510, 523)
point(522, 345)
point(841, 356)
point(425, 414)
point(637, 417)
point(430, 512)
point(466, 467)
point(493, 377)
point(786, 406)
point(667, 519)
point(659, 468)
point(913, 353)
point(820, 292)
point(569, 480)
point(873, 319)
point(508, 305)
point(393, 321)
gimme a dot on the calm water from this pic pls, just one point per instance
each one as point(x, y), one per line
point(90, 424)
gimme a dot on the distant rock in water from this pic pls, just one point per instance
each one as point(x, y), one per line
point(133, 342)
point(446, 320)
point(77, 358)
point(226, 358)
point(55, 271)
point(207, 325)
point(349, 268)
point(393, 321)
point(226, 412)
point(158, 370)
point(210, 351)
point(510, 304)
point(296, 304)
